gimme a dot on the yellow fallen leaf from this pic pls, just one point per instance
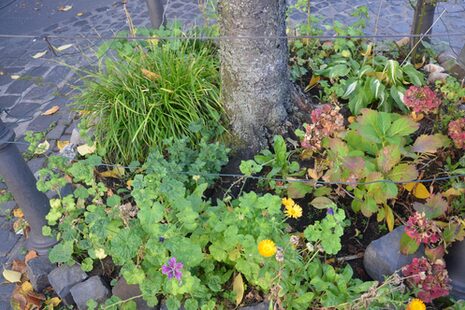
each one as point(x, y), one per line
point(65, 8)
point(52, 110)
point(12, 276)
point(402, 42)
point(15, 77)
point(54, 302)
point(389, 216)
point(86, 149)
point(18, 213)
point(417, 116)
point(129, 183)
point(26, 288)
point(417, 189)
point(351, 119)
point(39, 54)
point(63, 47)
point(79, 14)
point(115, 173)
point(451, 192)
point(100, 253)
point(30, 255)
point(62, 144)
point(150, 75)
point(42, 148)
point(238, 288)
point(313, 81)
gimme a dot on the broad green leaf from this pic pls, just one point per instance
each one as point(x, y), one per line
point(338, 71)
point(415, 76)
point(403, 126)
point(125, 245)
point(350, 89)
point(388, 157)
point(403, 172)
point(322, 203)
point(185, 250)
point(61, 253)
point(408, 245)
point(298, 190)
point(150, 216)
point(430, 143)
point(397, 94)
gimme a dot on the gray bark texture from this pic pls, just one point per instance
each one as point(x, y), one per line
point(254, 71)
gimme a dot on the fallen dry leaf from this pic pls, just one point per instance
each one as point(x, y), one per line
point(150, 75)
point(42, 148)
point(12, 276)
point(418, 190)
point(437, 76)
point(39, 54)
point(403, 42)
point(18, 213)
point(86, 149)
point(18, 265)
point(115, 173)
point(15, 77)
point(63, 47)
point(30, 255)
point(65, 8)
point(52, 110)
point(54, 302)
point(26, 287)
point(62, 144)
point(79, 14)
point(430, 68)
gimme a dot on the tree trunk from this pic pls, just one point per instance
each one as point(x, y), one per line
point(423, 19)
point(254, 71)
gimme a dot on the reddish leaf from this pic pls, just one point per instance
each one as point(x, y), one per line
point(435, 206)
point(430, 143)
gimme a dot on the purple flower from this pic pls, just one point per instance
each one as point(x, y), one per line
point(172, 269)
point(330, 211)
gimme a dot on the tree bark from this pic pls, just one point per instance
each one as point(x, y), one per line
point(423, 19)
point(254, 71)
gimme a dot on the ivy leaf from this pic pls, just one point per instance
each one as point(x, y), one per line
point(408, 245)
point(430, 143)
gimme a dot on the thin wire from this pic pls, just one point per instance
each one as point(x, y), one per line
point(217, 38)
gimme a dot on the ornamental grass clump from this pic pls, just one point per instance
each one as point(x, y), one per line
point(162, 90)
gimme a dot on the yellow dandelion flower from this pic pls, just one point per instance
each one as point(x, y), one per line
point(294, 211)
point(416, 304)
point(267, 248)
point(288, 202)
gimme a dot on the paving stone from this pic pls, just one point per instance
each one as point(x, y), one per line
point(19, 86)
point(63, 278)
point(8, 241)
point(4, 305)
point(260, 306)
point(8, 101)
point(6, 207)
point(58, 131)
point(37, 271)
point(44, 92)
point(42, 122)
point(24, 109)
point(125, 291)
point(6, 289)
point(382, 256)
point(57, 74)
point(36, 163)
point(93, 288)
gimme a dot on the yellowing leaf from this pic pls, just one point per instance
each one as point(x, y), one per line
point(26, 288)
point(63, 47)
point(79, 14)
point(150, 75)
point(453, 192)
point(313, 81)
point(418, 190)
point(115, 173)
point(368, 51)
point(417, 116)
point(389, 216)
point(351, 119)
point(39, 54)
point(85, 149)
point(52, 110)
point(42, 148)
point(403, 42)
point(12, 276)
point(62, 144)
point(238, 288)
point(18, 213)
point(15, 77)
point(65, 8)
point(129, 183)
point(54, 302)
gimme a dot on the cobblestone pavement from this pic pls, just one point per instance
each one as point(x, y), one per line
point(48, 81)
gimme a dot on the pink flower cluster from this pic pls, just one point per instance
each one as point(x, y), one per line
point(457, 132)
point(421, 99)
point(326, 122)
point(422, 230)
point(431, 279)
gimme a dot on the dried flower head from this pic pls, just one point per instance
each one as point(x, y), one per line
point(421, 99)
point(457, 132)
point(279, 254)
point(422, 230)
point(326, 122)
point(267, 248)
point(294, 240)
point(431, 278)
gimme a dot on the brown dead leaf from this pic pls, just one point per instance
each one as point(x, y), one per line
point(150, 75)
point(18, 265)
point(430, 68)
point(115, 173)
point(65, 8)
point(403, 42)
point(30, 255)
point(52, 110)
